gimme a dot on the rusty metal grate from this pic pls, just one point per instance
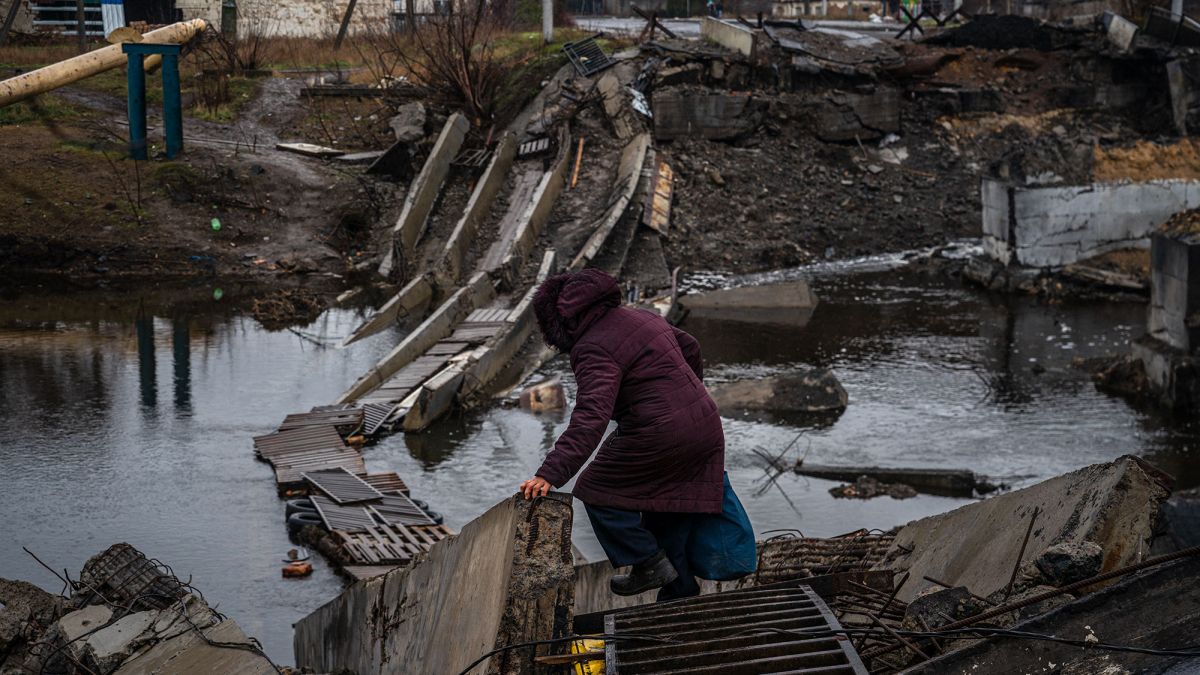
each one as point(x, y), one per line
point(400, 510)
point(343, 419)
point(387, 482)
point(342, 486)
point(587, 57)
point(123, 576)
point(374, 415)
point(349, 518)
point(733, 633)
point(389, 544)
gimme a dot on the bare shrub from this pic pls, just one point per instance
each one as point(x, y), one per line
point(450, 58)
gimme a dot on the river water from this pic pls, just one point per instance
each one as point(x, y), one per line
point(128, 415)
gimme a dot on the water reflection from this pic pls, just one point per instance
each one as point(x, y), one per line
point(181, 353)
point(937, 375)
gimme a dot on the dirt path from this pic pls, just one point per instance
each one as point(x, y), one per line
point(230, 205)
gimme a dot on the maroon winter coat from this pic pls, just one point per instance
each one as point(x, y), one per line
point(668, 451)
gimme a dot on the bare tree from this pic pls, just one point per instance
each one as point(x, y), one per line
point(451, 58)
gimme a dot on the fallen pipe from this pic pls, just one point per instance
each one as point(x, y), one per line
point(73, 69)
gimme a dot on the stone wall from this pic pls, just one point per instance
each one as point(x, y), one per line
point(1056, 226)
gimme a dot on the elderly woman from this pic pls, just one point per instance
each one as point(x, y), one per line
point(666, 460)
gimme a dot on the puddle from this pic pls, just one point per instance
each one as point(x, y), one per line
point(120, 426)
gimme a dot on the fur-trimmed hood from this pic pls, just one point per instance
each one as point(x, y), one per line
point(568, 303)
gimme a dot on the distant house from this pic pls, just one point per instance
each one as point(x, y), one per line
point(302, 18)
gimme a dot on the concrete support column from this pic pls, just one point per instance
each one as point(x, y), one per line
point(1175, 290)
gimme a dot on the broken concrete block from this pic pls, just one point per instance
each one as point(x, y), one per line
point(711, 116)
point(731, 36)
point(1069, 561)
point(189, 652)
point(1175, 283)
point(807, 390)
point(940, 607)
point(688, 73)
point(1120, 30)
point(79, 622)
point(846, 116)
point(506, 578)
point(1114, 505)
point(408, 124)
point(790, 303)
point(21, 603)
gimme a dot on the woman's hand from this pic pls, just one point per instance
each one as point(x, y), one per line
point(535, 487)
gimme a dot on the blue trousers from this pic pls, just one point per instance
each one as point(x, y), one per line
point(629, 537)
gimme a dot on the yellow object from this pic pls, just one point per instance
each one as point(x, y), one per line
point(594, 666)
point(297, 569)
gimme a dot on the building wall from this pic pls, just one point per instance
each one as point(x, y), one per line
point(23, 22)
point(298, 18)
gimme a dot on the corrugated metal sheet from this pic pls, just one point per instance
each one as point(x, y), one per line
point(387, 482)
point(400, 510)
point(477, 332)
point(446, 348)
point(343, 419)
point(390, 544)
point(303, 439)
point(488, 315)
point(287, 475)
point(342, 486)
point(351, 518)
point(405, 380)
point(374, 415)
point(716, 634)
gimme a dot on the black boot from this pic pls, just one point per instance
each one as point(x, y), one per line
point(653, 573)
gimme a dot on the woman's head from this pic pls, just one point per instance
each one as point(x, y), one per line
point(568, 303)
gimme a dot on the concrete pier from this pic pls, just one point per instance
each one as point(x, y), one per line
point(1169, 350)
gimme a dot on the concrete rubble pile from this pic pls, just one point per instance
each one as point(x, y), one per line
point(1058, 139)
point(127, 615)
point(1065, 557)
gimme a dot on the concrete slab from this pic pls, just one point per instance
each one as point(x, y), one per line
point(1114, 505)
point(425, 187)
point(731, 36)
point(1056, 226)
point(712, 116)
point(79, 622)
point(788, 303)
point(439, 324)
point(629, 171)
point(450, 268)
point(413, 296)
point(190, 653)
point(505, 578)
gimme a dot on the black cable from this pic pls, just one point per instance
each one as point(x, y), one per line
point(569, 638)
